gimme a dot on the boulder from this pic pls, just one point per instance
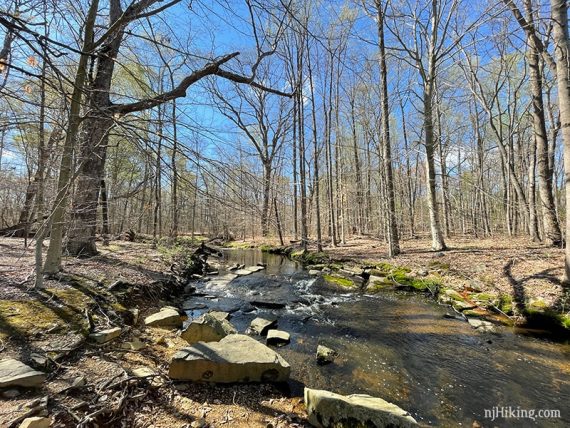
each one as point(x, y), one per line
point(221, 315)
point(207, 328)
point(105, 336)
point(16, 373)
point(325, 355)
point(260, 326)
point(235, 358)
point(36, 422)
point(255, 268)
point(166, 318)
point(243, 272)
point(278, 337)
point(327, 409)
point(314, 272)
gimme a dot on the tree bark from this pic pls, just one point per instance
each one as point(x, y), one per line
point(552, 232)
point(392, 226)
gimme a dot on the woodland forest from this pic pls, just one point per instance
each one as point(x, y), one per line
point(155, 153)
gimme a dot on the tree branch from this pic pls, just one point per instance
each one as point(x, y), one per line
point(210, 69)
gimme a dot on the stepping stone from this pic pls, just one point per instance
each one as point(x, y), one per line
point(254, 268)
point(327, 409)
point(166, 318)
point(278, 337)
point(105, 336)
point(16, 373)
point(235, 358)
point(260, 326)
point(243, 272)
point(220, 315)
point(325, 355)
point(207, 328)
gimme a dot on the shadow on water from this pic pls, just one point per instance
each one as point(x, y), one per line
point(400, 347)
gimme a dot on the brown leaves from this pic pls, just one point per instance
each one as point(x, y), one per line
point(32, 61)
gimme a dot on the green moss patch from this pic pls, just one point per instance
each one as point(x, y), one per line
point(339, 280)
point(310, 257)
point(25, 318)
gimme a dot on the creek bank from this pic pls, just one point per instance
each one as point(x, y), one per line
point(471, 301)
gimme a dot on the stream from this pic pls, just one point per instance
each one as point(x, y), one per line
point(395, 345)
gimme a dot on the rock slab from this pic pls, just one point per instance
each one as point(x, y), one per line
point(16, 373)
point(235, 358)
point(261, 326)
point(166, 318)
point(327, 409)
point(207, 328)
point(36, 422)
point(105, 336)
point(278, 337)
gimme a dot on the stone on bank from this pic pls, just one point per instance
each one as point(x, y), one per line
point(327, 409)
point(165, 318)
point(16, 373)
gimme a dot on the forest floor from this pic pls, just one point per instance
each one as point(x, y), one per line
point(46, 328)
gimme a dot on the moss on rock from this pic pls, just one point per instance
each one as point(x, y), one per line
point(339, 280)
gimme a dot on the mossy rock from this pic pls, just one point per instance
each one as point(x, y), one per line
point(310, 257)
point(339, 280)
point(454, 295)
point(505, 304)
point(484, 299)
point(547, 319)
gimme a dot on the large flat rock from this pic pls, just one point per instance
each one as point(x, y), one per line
point(207, 328)
point(327, 409)
point(16, 373)
point(235, 358)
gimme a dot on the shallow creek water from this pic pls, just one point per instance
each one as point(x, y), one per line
point(397, 346)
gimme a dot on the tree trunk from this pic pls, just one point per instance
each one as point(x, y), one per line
point(53, 259)
point(552, 232)
point(105, 213)
point(438, 244)
point(392, 226)
point(560, 27)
